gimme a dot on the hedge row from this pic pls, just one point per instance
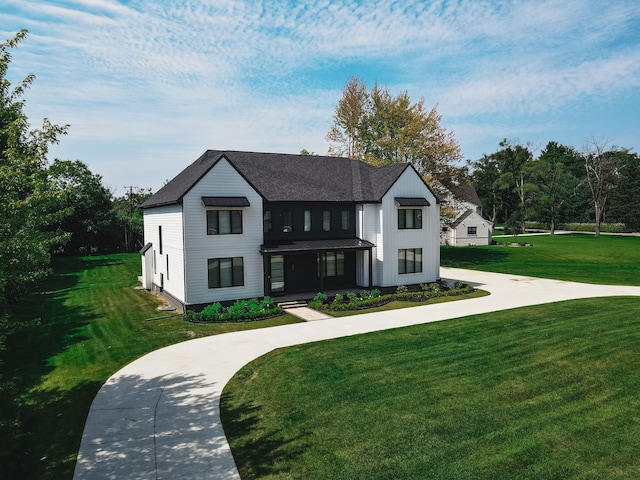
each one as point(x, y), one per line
point(580, 227)
point(374, 298)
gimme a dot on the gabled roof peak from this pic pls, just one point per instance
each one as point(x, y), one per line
point(289, 177)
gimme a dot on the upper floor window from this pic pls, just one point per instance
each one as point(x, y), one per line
point(224, 222)
point(160, 238)
point(307, 220)
point(409, 218)
point(345, 223)
point(287, 221)
point(326, 220)
point(472, 230)
point(266, 221)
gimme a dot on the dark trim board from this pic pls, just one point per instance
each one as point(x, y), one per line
point(301, 246)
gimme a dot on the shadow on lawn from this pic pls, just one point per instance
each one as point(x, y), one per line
point(472, 257)
point(42, 326)
point(257, 456)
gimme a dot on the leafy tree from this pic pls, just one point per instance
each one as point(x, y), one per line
point(556, 182)
point(29, 203)
point(129, 220)
point(381, 129)
point(89, 202)
point(504, 182)
point(484, 175)
point(347, 120)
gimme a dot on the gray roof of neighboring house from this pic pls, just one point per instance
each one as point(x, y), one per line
point(464, 215)
point(466, 193)
point(284, 177)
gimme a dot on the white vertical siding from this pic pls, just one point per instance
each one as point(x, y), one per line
point(222, 181)
point(371, 230)
point(170, 219)
point(428, 237)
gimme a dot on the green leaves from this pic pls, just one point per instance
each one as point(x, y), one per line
point(29, 203)
point(383, 129)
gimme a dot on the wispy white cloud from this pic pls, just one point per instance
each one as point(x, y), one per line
point(266, 75)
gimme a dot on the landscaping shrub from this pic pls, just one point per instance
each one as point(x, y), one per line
point(241, 310)
point(373, 298)
point(338, 299)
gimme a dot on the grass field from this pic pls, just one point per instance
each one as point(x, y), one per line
point(542, 392)
point(612, 260)
point(92, 323)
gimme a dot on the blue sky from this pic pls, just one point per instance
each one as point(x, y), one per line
point(148, 86)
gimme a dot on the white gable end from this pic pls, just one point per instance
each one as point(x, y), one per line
point(223, 180)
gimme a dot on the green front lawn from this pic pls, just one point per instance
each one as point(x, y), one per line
point(92, 323)
point(612, 260)
point(541, 392)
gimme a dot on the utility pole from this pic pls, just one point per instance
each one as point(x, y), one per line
point(128, 228)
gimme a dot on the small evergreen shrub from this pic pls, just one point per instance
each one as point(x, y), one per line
point(402, 289)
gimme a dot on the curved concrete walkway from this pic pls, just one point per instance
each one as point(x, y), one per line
point(158, 417)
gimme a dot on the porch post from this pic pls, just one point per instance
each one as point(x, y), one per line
point(321, 268)
point(266, 265)
point(370, 251)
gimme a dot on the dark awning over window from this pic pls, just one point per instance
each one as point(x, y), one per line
point(412, 202)
point(225, 201)
point(316, 245)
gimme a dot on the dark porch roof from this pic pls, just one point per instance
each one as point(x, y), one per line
point(225, 201)
point(412, 202)
point(290, 246)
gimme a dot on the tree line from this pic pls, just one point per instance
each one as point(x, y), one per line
point(561, 185)
point(596, 184)
point(48, 208)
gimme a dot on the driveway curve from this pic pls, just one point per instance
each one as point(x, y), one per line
point(158, 417)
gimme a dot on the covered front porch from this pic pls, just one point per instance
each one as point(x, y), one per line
point(299, 266)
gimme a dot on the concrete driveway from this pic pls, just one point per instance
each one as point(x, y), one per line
point(158, 417)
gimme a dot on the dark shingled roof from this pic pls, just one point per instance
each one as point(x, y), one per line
point(283, 177)
point(466, 193)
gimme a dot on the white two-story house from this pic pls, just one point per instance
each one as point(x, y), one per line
point(462, 223)
point(243, 224)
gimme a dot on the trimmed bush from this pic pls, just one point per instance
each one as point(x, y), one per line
point(591, 227)
point(320, 297)
point(241, 310)
point(372, 298)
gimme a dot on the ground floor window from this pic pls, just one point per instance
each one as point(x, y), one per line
point(226, 272)
point(333, 264)
point(410, 260)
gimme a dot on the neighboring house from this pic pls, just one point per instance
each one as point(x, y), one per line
point(462, 223)
point(242, 224)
